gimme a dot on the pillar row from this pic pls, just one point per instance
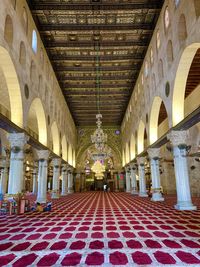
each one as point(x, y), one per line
point(142, 180)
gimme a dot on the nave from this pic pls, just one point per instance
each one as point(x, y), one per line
point(102, 229)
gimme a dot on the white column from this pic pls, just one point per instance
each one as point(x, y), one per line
point(64, 180)
point(70, 181)
point(4, 176)
point(43, 156)
point(154, 154)
point(56, 174)
point(35, 178)
point(16, 173)
point(133, 180)
point(179, 140)
point(142, 180)
point(128, 180)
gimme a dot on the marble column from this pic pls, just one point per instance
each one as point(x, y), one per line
point(64, 180)
point(133, 179)
point(179, 140)
point(128, 180)
point(142, 179)
point(4, 176)
point(70, 181)
point(35, 178)
point(16, 173)
point(43, 156)
point(154, 154)
point(56, 174)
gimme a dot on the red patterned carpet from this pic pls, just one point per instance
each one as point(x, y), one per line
point(102, 229)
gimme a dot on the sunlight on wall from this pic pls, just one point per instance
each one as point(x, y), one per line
point(140, 141)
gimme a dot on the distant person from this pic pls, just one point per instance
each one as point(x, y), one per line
point(105, 187)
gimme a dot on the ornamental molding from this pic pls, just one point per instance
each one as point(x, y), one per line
point(43, 154)
point(18, 140)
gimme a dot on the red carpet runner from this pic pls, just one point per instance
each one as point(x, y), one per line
point(102, 229)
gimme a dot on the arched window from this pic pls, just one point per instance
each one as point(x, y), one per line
point(33, 72)
point(197, 7)
point(42, 58)
point(160, 69)
point(8, 30)
point(151, 55)
point(166, 18)
point(158, 39)
point(34, 41)
point(22, 54)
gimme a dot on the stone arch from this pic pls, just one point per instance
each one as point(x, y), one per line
point(70, 154)
point(155, 119)
point(8, 30)
point(170, 56)
point(182, 28)
point(74, 158)
point(123, 157)
point(132, 147)
point(64, 148)
point(140, 137)
point(127, 153)
point(24, 20)
point(22, 54)
point(55, 138)
point(37, 120)
point(180, 82)
point(13, 86)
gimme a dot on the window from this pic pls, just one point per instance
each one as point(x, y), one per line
point(34, 41)
point(158, 39)
point(146, 69)
point(166, 18)
point(177, 2)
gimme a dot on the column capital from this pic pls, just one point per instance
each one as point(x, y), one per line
point(178, 137)
point(56, 162)
point(43, 154)
point(133, 166)
point(141, 160)
point(64, 166)
point(70, 169)
point(17, 141)
point(153, 153)
point(127, 168)
point(4, 163)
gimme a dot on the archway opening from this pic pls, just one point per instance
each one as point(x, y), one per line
point(140, 137)
point(180, 82)
point(55, 138)
point(64, 148)
point(36, 123)
point(12, 88)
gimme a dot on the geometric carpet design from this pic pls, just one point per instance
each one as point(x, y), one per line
point(102, 229)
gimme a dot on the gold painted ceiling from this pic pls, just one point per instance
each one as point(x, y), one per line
point(89, 38)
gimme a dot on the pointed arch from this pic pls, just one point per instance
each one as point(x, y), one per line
point(37, 120)
point(132, 147)
point(8, 30)
point(154, 119)
point(127, 153)
point(64, 148)
point(56, 138)
point(140, 138)
point(70, 156)
point(180, 82)
point(13, 86)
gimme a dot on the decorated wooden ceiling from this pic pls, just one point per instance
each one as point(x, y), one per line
point(96, 48)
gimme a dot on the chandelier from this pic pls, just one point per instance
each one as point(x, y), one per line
point(99, 138)
point(98, 168)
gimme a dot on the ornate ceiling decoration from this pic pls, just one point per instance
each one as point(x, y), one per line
point(70, 30)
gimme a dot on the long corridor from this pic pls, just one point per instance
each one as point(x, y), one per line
point(102, 229)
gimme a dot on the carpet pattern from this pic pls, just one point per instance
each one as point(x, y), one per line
point(102, 229)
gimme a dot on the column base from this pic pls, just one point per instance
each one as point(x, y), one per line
point(185, 206)
point(128, 191)
point(55, 195)
point(70, 191)
point(157, 197)
point(133, 192)
point(143, 194)
point(41, 200)
point(64, 194)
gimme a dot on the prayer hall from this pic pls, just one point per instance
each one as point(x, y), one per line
point(99, 133)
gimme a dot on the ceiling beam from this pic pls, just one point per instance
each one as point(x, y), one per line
point(48, 5)
point(117, 77)
point(135, 57)
point(100, 27)
point(86, 93)
point(94, 69)
point(72, 44)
